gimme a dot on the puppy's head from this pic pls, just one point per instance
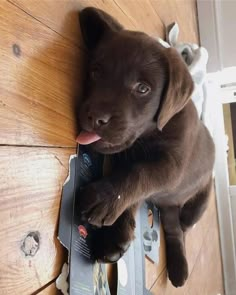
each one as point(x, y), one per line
point(133, 84)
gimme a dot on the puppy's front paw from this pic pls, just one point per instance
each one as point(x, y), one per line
point(100, 203)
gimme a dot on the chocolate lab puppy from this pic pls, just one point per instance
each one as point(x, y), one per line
point(137, 109)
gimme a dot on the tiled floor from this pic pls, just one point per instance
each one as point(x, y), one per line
point(41, 65)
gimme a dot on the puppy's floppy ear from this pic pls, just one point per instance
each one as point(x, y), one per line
point(94, 24)
point(178, 89)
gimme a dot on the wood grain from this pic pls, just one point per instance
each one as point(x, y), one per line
point(206, 277)
point(41, 73)
point(50, 290)
point(194, 242)
point(54, 14)
point(40, 76)
point(152, 270)
point(132, 14)
point(30, 190)
point(202, 244)
point(181, 11)
point(142, 15)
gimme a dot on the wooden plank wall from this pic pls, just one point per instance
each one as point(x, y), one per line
point(41, 66)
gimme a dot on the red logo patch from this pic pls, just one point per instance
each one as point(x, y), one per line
point(82, 231)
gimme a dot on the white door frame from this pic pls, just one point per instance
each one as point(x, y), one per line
point(232, 192)
point(223, 195)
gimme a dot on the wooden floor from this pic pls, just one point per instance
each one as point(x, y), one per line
point(41, 66)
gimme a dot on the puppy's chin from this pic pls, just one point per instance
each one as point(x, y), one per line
point(104, 147)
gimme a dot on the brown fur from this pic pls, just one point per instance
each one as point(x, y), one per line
point(159, 148)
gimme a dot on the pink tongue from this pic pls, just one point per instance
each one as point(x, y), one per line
point(87, 137)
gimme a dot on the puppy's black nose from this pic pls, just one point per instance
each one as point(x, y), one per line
point(99, 120)
point(102, 120)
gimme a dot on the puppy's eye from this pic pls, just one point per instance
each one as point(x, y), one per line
point(142, 88)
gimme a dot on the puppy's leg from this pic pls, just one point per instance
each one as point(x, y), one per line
point(111, 242)
point(103, 201)
point(193, 209)
point(177, 266)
